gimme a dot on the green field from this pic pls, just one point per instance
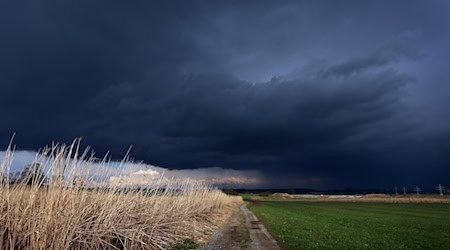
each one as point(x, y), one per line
point(328, 225)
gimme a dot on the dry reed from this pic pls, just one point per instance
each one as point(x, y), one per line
point(71, 208)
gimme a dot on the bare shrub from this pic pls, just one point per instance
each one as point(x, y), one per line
point(230, 191)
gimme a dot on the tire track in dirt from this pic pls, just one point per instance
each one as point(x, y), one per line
point(243, 231)
point(261, 239)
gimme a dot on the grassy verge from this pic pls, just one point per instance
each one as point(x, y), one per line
point(320, 225)
point(243, 233)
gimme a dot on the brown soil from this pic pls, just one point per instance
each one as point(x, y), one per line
point(243, 231)
point(260, 237)
point(380, 200)
point(254, 203)
point(232, 236)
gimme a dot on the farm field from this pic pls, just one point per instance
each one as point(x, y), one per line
point(339, 225)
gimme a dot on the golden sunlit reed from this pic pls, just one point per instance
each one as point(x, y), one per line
point(60, 204)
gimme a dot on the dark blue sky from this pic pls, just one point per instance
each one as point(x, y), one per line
point(318, 93)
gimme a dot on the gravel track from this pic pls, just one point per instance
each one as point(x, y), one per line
point(243, 231)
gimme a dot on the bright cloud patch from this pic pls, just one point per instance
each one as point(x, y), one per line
point(140, 174)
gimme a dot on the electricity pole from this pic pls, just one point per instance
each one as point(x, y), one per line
point(404, 191)
point(396, 193)
point(418, 189)
point(441, 189)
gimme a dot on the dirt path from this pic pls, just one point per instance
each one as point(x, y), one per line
point(243, 231)
point(261, 239)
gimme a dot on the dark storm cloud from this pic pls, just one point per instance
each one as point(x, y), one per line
point(309, 93)
point(403, 47)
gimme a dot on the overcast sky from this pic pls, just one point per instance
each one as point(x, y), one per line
point(327, 94)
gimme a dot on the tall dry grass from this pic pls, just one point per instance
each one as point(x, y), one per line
point(74, 209)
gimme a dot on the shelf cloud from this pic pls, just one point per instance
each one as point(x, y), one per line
point(266, 93)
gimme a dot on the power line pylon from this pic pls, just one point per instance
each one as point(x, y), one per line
point(417, 189)
point(441, 189)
